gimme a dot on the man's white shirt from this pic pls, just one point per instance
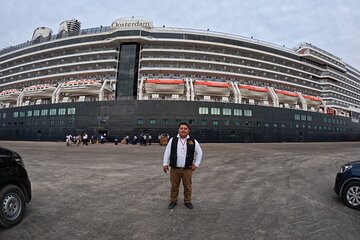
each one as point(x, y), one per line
point(181, 152)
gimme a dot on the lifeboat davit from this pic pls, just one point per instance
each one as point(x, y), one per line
point(164, 86)
point(81, 87)
point(312, 101)
point(208, 88)
point(39, 90)
point(9, 95)
point(254, 92)
point(287, 97)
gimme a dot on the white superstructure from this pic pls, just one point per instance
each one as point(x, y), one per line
point(173, 64)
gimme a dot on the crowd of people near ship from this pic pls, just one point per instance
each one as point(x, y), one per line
point(143, 139)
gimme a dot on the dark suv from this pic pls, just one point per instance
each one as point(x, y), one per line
point(15, 188)
point(347, 184)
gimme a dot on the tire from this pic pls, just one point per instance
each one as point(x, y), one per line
point(12, 206)
point(351, 195)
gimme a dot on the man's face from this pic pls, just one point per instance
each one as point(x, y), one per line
point(183, 131)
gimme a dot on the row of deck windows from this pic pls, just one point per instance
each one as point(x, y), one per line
point(38, 123)
point(248, 113)
point(303, 117)
point(43, 112)
point(225, 111)
point(205, 122)
point(334, 121)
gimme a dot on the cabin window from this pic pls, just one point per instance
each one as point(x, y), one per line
point(215, 122)
point(62, 111)
point(215, 111)
point(71, 111)
point(53, 112)
point(29, 113)
point(15, 114)
point(140, 121)
point(248, 113)
point(227, 111)
point(203, 110)
point(44, 112)
point(237, 112)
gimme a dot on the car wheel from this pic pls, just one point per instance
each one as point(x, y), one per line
point(12, 206)
point(351, 195)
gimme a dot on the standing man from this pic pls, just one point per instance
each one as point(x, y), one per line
point(183, 154)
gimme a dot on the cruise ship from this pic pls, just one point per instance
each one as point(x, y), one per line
point(131, 78)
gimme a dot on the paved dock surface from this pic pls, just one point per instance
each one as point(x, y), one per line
point(240, 191)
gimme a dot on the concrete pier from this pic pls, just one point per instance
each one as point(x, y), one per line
point(240, 191)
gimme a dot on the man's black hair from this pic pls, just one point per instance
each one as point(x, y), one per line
point(184, 123)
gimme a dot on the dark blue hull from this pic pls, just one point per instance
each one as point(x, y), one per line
point(237, 123)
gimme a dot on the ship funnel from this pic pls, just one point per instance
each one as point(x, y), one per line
point(41, 32)
point(71, 27)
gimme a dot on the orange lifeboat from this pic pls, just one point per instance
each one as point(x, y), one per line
point(312, 101)
point(164, 86)
point(41, 90)
point(81, 83)
point(208, 88)
point(287, 97)
point(82, 87)
point(254, 92)
point(9, 95)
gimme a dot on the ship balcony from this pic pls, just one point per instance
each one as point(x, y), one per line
point(319, 55)
point(332, 75)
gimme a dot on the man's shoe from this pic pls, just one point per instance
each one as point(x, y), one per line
point(189, 205)
point(172, 205)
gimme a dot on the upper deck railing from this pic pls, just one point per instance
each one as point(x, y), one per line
point(309, 45)
point(87, 31)
point(103, 29)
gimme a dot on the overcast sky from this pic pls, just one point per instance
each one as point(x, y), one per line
point(333, 25)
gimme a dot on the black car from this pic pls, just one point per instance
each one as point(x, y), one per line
point(15, 188)
point(347, 184)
